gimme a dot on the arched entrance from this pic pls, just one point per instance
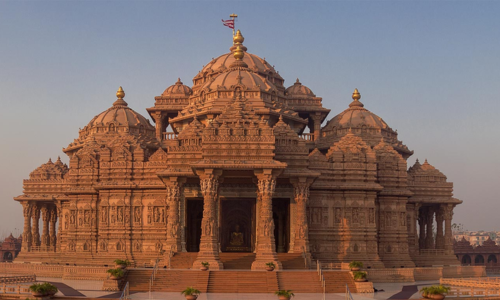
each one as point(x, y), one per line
point(479, 260)
point(492, 259)
point(466, 260)
point(237, 225)
point(7, 256)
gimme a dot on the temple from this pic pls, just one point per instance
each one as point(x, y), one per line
point(238, 163)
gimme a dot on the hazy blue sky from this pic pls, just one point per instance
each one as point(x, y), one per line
point(430, 69)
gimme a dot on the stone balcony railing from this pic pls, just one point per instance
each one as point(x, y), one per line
point(307, 136)
point(167, 136)
point(432, 252)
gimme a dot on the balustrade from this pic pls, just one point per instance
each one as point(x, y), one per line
point(307, 136)
point(170, 135)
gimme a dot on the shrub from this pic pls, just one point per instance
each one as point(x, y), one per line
point(286, 293)
point(116, 272)
point(190, 291)
point(271, 265)
point(359, 275)
point(355, 264)
point(205, 264)
point(435, 290)
point(122, 262)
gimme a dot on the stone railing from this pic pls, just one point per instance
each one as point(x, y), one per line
point(419, 274)
point(57, 271)
point(17, 279)
point(481, 282)
point(42, 249)
point(307, 136)
point(169, 136)
point(432, 251)
point(473, 292)
point(14, 289)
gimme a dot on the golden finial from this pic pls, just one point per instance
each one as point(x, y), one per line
point(238, 38)
point(120, 94)
point(238, 53)
point(356, 95)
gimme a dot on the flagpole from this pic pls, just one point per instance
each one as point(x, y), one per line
point(233, 16)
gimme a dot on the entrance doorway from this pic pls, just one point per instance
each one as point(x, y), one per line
point(237, 232)
point(194, 215)
point(281, 216)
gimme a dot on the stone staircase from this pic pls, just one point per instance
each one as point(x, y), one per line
point(242, 282)
point(237, 261)
point(336, 281)
point(239, 281)
point(291, 261)
point(300, 281)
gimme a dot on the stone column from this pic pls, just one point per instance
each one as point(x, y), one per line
point(448, 236)
point(45, 230)
point(52, 231)
point(173, 221)
point(159, 126)
point(209, 243)
point(266, 246)
point(26, 243)
point(301, 195)
point(35, 231)
point(257, 221)
point(422, 220)
point(317, 126)
point(59, 216)
point(439, 228)
point(429, 239)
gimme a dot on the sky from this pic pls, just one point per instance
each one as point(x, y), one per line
point(430, 69)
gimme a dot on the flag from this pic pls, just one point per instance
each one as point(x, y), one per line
point(228, 23)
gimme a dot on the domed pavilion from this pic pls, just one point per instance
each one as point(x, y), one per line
point(238, 163)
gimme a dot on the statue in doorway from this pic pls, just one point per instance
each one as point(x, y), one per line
point(236, 237)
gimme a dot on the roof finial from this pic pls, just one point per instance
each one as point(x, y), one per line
point(356, 96)
point(178, 81)
point(238, 53)
point(120, 94)
point(238, 39)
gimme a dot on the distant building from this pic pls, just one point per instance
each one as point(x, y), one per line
point(10, 248)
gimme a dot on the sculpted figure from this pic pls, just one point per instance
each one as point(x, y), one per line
point(120, 214)
point(236, 237)
point(162, 215)
point(137, 215)
point(72, 218)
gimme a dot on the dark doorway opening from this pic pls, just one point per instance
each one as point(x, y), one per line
point(193, 224)
point(466, 260)
point(281, 216)
point(237, 232)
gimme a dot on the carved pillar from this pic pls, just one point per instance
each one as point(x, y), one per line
point(45, 230)
point(59, 225)
point(35, 231)
point(257, 221)
point(422, 221)
point(439, 228)
point(266, 246)
point(53, 221)
point(26, 244)
point(415, 224)
point(317, 126)
point(173, 221)
point(429, 239)
point(301, 195)
point(448, 236)
point(209, 243)
point(159, 126)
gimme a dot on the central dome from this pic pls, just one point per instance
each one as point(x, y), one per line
point(222, 63)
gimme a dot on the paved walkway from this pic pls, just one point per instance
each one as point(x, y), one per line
point(92, 289)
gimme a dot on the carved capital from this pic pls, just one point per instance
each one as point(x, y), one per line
point(173, 191)
point(447, 211)
point(301, 192)
point(35, 211)
point(26, 209)
point(209, 185)
point(45, 213)
point(266, 185)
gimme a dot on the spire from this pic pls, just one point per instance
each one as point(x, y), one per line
point(120, 94)
point(179, 82)
point(297, 82)
point(356, 96)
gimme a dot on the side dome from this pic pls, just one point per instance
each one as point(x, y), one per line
point(223, 62)
point(50, 171)
point(178, 90)
point(119, 119)
point(363, 123)
point(298, 90)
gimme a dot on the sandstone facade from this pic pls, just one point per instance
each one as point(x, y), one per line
point(228, 167)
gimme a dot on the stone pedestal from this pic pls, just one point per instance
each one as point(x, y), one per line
point(111, 285)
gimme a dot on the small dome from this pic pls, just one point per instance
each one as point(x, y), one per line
point(297, 90)
point(118, 118)
point(425, 173)
point(177, 90)
point(50, 170)
point(241, 76)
